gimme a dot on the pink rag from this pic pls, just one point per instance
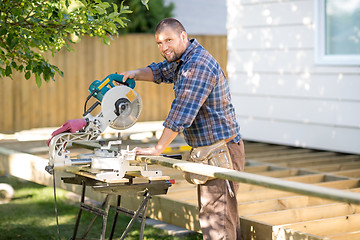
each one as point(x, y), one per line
point(69, 126)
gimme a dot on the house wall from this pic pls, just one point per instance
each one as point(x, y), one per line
point(280, 94)
point(201, 17)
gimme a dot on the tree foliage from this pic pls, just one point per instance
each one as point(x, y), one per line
point(143, 19)
point(30, 27)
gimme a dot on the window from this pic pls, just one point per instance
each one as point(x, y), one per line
point(337, 37)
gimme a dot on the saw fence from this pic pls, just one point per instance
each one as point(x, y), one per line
point(284, 192)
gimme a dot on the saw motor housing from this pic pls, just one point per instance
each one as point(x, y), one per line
point(120, 109)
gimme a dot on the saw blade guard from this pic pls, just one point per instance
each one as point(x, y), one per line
point(121, 107)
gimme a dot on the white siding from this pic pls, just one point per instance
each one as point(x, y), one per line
point(207, 17)
point(280, 95)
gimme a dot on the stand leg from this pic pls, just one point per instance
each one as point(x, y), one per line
point(137, 213)
point(80, 210)
point(106, 206)
point(141, 235)
point(105, 217)
point(115, 218)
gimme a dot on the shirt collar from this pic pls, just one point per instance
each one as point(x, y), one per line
point(193, 44)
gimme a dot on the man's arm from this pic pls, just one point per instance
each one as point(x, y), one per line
point(140, 74)
point(166, 138)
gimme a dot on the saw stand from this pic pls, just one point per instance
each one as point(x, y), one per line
point(146, 190)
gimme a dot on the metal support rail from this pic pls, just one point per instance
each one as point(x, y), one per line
point(243, 177)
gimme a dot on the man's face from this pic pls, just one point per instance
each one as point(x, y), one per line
point(171, 44)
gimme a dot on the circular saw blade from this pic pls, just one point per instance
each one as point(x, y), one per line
point(121, 107)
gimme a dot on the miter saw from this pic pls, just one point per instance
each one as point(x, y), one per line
point(120, 109)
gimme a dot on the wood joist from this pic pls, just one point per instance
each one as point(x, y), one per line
point(269, 213)
point(273, 214)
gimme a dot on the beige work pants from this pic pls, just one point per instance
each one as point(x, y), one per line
point(218, 216)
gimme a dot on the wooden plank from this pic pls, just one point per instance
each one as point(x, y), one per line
point(271, 205)
point(276, 152)
point(323, 161)
point(256, 169)
point(306, 213)
point(310, 178)
point(262, 148)
point(280, 173)
point(312, 156)
point(329, 226)
point(335, 167)
point(341, 184)
point(262, 194)
point(346, 236)
point(255, 230)
point(348, 173)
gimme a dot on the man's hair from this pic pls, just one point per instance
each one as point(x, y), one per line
point(170, 22)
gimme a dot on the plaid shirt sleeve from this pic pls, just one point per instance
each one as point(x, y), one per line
point(192, 88)
point(163, 72)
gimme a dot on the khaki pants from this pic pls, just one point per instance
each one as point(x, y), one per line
point(218, 216)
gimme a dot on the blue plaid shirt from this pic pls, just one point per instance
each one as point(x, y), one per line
point(202, 107)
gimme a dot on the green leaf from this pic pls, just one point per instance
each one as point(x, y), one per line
point(145, 3)
point(3, 31)
point(11, 41)
point(27, 75)
point(8, 71)
point(115, 7)
point(106, 40)
point(38, 80)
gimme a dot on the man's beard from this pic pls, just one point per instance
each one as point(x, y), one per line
point(175, 57)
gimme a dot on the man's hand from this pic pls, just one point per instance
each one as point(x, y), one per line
point(147, 151)
point(141, 74)
point(128, 74)
point(166, 138)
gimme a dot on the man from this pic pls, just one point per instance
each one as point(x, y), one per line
point(203, 112)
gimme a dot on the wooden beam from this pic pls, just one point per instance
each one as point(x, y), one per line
point(212, 171)
point(302, 156)
point(276, 152)
point(271, 205)
point(353, 173)
point(346, 236)
point(335, 167)
point(322, 161)
point(306, 213)
point(328, 226)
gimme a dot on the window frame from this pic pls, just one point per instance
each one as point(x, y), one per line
point(321, 58)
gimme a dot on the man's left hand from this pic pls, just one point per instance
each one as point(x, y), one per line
point(147, 151)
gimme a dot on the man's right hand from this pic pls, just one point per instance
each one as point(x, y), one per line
point(141, 74)
point(128, 74)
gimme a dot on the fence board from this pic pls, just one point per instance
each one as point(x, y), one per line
point(24, 106)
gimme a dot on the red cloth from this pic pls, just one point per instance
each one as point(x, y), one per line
point(69, 126)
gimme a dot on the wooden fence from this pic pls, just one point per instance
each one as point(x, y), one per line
point(24, 106)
